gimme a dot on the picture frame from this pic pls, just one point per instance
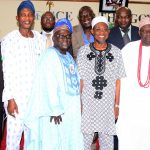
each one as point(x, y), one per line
point(110, 6)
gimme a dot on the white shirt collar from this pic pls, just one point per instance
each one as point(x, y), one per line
point(44, 33)
point(129, 32)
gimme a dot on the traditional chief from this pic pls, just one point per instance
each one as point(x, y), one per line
point(134, 122)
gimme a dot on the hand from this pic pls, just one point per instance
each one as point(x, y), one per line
point(12, 107)
point(116, 110)
point(57, 119)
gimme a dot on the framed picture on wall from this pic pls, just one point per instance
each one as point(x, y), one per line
point(111, 5)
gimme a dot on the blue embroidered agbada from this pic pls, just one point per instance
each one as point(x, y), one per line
point(55, 92)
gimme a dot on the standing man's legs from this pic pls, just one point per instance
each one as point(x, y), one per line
point(15, 128)
point(106, 141)
point(115, 142)
point(88, 139)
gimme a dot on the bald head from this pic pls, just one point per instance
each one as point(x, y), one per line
point(123, 9)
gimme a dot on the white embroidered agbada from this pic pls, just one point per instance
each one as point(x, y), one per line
point(55, 92)
point(20, 56)
point(133, 126)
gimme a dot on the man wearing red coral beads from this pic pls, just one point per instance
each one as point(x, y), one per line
point(134, 122)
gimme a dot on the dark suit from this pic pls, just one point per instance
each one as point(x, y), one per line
point(115, 36)
point(1, 90)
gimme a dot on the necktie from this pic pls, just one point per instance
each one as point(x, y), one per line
point(48, 41)
point(126, 38)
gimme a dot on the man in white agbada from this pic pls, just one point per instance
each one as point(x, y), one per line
point(133, 126)
point(54, 112)
point(20, 51)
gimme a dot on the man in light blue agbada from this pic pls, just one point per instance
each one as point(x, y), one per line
point(54, 112)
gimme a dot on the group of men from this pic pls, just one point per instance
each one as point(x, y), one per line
point(60, 103)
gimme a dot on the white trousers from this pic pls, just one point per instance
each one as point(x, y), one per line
point(106, 141)
point(15, 128)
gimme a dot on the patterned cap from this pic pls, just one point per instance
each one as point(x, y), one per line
point(144, 22)
point(63, 24)
point(26, 4)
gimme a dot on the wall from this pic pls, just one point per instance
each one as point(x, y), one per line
point(61, 9)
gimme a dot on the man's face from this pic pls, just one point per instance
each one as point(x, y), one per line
point(85, 18)
point(145, 35)
point(124, 18)
point(62, 40)
point(100, 32)
point(25, 18)
point(47, 22)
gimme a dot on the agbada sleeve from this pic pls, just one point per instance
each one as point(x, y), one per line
point(51, 76)
point(8, 64)
point(81, 62)
point(120, 69)
point(44, 99)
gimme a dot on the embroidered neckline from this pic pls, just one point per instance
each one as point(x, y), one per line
point(108, 48)
point(100, 58)
point(99, 82)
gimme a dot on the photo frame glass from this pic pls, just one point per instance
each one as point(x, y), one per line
point(111, 5)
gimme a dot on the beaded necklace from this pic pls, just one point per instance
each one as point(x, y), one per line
point(147, 83)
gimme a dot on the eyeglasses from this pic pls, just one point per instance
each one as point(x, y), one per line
point(61, 36)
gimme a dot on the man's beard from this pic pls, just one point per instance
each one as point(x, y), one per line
point(48, 29)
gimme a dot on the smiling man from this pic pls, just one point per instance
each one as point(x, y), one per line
point(54, 112)
point(100, 68)
point(82, 32)
point(20, 52)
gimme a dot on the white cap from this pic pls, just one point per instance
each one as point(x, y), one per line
point(144, 22)
point(99, 19)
